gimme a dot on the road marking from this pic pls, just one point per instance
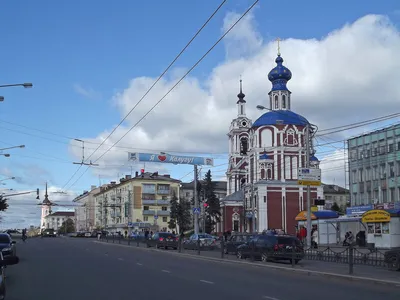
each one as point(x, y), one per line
point(139, 264)
point(165, 271)
point(206, 281)
point(120, 258)
point(270, 298)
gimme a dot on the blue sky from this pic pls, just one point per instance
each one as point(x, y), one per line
point(97, 47)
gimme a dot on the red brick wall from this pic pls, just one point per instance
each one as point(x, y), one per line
point(274, 210)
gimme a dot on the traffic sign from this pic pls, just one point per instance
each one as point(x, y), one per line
point(196, 210)
point(309, 176)
point(156, 217)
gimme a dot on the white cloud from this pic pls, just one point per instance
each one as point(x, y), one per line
point(333, 168)
point(86, 92)
point(24, 211)
point(348, 76)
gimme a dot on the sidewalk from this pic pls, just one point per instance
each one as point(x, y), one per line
point(365, 271)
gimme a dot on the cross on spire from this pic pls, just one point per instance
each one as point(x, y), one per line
point(279, 46)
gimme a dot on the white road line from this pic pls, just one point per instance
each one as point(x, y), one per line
point(120, 258)
point(139, 264)
point(270, 298)
point(206, 281)
point(165, 271)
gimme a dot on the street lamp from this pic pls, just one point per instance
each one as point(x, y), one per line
point(9, 178)
point(6, 154)
point(1, 98)
point(25, 85)
point(261, 107)
point(13, 147)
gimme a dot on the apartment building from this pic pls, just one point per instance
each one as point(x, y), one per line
point(85, 212)
point(141, 202)
point(56, 219)
point(187, 189)
point(336, 194)
point(374, 167)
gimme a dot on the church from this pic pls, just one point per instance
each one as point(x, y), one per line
point(264, 157)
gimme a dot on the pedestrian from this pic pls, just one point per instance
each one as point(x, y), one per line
point(98, 235)
point(314, 236)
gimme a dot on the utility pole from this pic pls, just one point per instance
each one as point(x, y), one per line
point(307, 142)
point(129, 211)
point(196, 202)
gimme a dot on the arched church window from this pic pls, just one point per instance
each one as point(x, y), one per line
point(283, 101)
point(269, 171)
point(290, 139)
point(262, 173)
point(244, 145)
point(288, 102)
point(276, 102)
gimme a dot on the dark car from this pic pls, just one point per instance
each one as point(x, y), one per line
point(7, 245)
point(236, 240)
point(163, 240)
point(49, 233)
point(5, 261)
point(392, 258)
point(272, 247)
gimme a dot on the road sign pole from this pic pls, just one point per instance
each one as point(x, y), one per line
point(196, 202)
point(307, 142)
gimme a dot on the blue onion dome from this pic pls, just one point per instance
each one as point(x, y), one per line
point(279, 75)
point(314, 159)
point(280, 117)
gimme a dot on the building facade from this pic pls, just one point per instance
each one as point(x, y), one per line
point(264, 158)
point(55, 220)
point(336, 194)
point(85, 212)
point(138, 203)
point(374, 167)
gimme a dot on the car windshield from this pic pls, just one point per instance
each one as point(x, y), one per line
point(4, 239)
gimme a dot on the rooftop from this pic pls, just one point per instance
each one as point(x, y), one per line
point(62, 214)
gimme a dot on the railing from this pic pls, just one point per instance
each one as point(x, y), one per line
point(148, 212)
point(156, 202)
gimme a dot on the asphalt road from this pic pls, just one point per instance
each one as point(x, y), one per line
point(78, 269)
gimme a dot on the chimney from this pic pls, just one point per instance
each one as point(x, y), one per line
point(128, 176)
point(136, 174)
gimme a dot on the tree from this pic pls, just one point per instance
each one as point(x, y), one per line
point(335, 207)
point(67, 226)
point(180, 214)
point(213, 209)
point(3, 203)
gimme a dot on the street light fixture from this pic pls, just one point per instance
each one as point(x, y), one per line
point(6, 154)
point(9, 178)
point(25, 85)
point(1, 98)
point(13, 147)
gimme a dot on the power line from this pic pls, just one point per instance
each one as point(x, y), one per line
point(174, 86)
point(159, 77)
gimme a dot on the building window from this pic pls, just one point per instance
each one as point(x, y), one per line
point(149, 188)
point(164, 208)
point(276, 102)
point(294, 167)
point(354, 176)
point(265, 199)
point(269, 171)
point(283, 101)
point(287, 167)
point(244, 145)
point(290, 140)
point(262, 173)
point(391, 170)
point(236, 225)
point(145, 218)
point(165, 219)
point(145, 207)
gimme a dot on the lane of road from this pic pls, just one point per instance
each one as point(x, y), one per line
point(77, 269)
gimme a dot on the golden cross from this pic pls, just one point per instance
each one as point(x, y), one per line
point(279, 47)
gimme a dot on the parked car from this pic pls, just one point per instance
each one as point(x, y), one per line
point(163, 240)
point(5, 261)
point(207, 242)
point(7, 245)
point(49, 233)
point(272, 247)
point(392, 258)
point(236, 240)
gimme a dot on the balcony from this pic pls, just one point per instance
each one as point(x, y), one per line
point(148, 212)
point(163, 192)
point(163, 213)
point(155, 202)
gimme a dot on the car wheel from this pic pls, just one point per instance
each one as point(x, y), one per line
point(264, 257)
point(393, 264)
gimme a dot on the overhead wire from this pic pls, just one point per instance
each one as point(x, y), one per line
point(174, 86)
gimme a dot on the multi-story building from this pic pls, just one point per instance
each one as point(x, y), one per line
point(138, 203)
point(85, 212)
point(56, 219)
point(187, 189)
point(374, 167)
point(336, 194)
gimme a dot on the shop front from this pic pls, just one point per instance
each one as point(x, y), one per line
point(383, 227)
point(319, 221)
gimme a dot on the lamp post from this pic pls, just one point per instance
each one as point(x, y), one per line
point(13, 147)
point(5, 154)
point(26, 85)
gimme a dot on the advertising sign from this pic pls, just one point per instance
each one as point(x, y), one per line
point(375, 216)
point(171, 159)
point(358, 210)
point(309, 176)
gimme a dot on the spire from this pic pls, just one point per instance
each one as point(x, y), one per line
point(279, 47)
point(46, 197)
point(241, 95)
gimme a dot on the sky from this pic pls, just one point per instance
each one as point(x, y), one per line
point(91, 62)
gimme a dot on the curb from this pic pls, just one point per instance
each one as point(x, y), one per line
point(280, 268)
